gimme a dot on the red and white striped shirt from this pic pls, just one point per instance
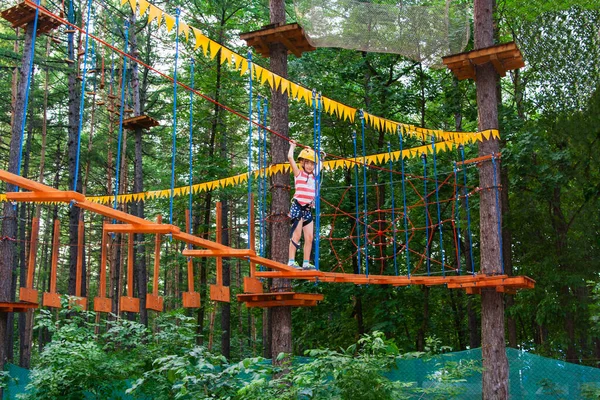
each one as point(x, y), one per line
point(305, 187)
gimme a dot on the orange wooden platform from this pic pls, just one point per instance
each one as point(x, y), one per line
point(292, 36)
point(8, 306)
point(281, 299)
point(23, 13)
point(504, 57)
point(141, 121)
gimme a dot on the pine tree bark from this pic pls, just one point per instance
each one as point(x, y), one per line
point(9, 214)
point(281, 317)
point(495, 363)
point(139, 251)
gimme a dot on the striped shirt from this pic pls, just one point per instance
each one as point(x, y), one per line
point(305, 187)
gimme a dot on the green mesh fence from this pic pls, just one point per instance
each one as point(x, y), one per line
point(530, 377)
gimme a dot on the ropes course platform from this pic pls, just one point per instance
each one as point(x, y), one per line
point(504, 57)
point(292, 36)
point(471, 283)
point(281, 299)
point(23, 13)
point(141, 121)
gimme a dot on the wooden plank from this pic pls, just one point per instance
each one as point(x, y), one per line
point(102, 304)
point(238, 253)
point(191, 300)
point(220, 293)
point(142, 228)
point(281, 303)
point(41, 196)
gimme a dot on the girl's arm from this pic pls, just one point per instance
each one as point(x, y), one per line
point(295, 168)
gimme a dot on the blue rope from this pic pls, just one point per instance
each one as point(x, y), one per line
point(317, 133)
point(123, 79)
point(27, 88)
point(404, 206)
point(393, 205)
point(362, 126)
point(462, 155)
point(190, 129)
point(260, 173)
point(264, 203)
point(498, 213)
point(424, 158)
point(249, 144)
point(70, 44)
point(439, 212)
point(82, 99)
point(174, 143)
point(356, 202)
point(457, 218)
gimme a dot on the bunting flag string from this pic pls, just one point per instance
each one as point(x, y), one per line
point(375, 159)
point(297, 92)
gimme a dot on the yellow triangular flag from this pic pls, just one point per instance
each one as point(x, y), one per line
point(201, 40)
point(285, 86)
point(124, 1)
point(265, 76)
point(184, 28)
point(226, 55)
point(326, 104)
point(132, 3)
point(214, 49)
point(271, 76)
point(257, 71)
point(143, 6)
point(294, 90)
point(169, 22)
point(154, 13)
point(244, 67)
point(277, 81)
point(238, 61)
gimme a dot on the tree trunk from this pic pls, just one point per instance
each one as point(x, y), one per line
point(9, 222)
point(495, 363)
point(139, 251)
point(281, 317)
point(26, 318)
point(73, 104)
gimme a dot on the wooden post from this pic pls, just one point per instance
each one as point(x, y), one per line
point(191, 299)
point(219, 292)
point(129, 303)
point(154, 301)
point(52, 299)
point(27, 293)
point(102, 303)
point(252, 284)
point(82, 301)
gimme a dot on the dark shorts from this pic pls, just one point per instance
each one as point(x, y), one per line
point(298, 212)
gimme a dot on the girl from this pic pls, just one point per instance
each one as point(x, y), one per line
point(300, 210)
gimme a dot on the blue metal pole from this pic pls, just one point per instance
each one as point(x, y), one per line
point(404, 207)
point(427, 259)
point(356, 204)
point(457, 218)
point(498, 213)
point(82, 99)
point(249, 144)
point(27, 88)
point(174, 140)
point(362, 124)
point(120, 136)
point(439, 212)
point(393, 205)
point(462, 155)
point(191, 173)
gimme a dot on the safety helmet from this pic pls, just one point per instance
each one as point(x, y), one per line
point(307, 154)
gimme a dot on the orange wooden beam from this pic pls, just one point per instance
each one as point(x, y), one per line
point(66, 196)
point(52, 299)
point(142, 228)
point(237, 253)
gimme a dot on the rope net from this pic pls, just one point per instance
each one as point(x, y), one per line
point(423, 33)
